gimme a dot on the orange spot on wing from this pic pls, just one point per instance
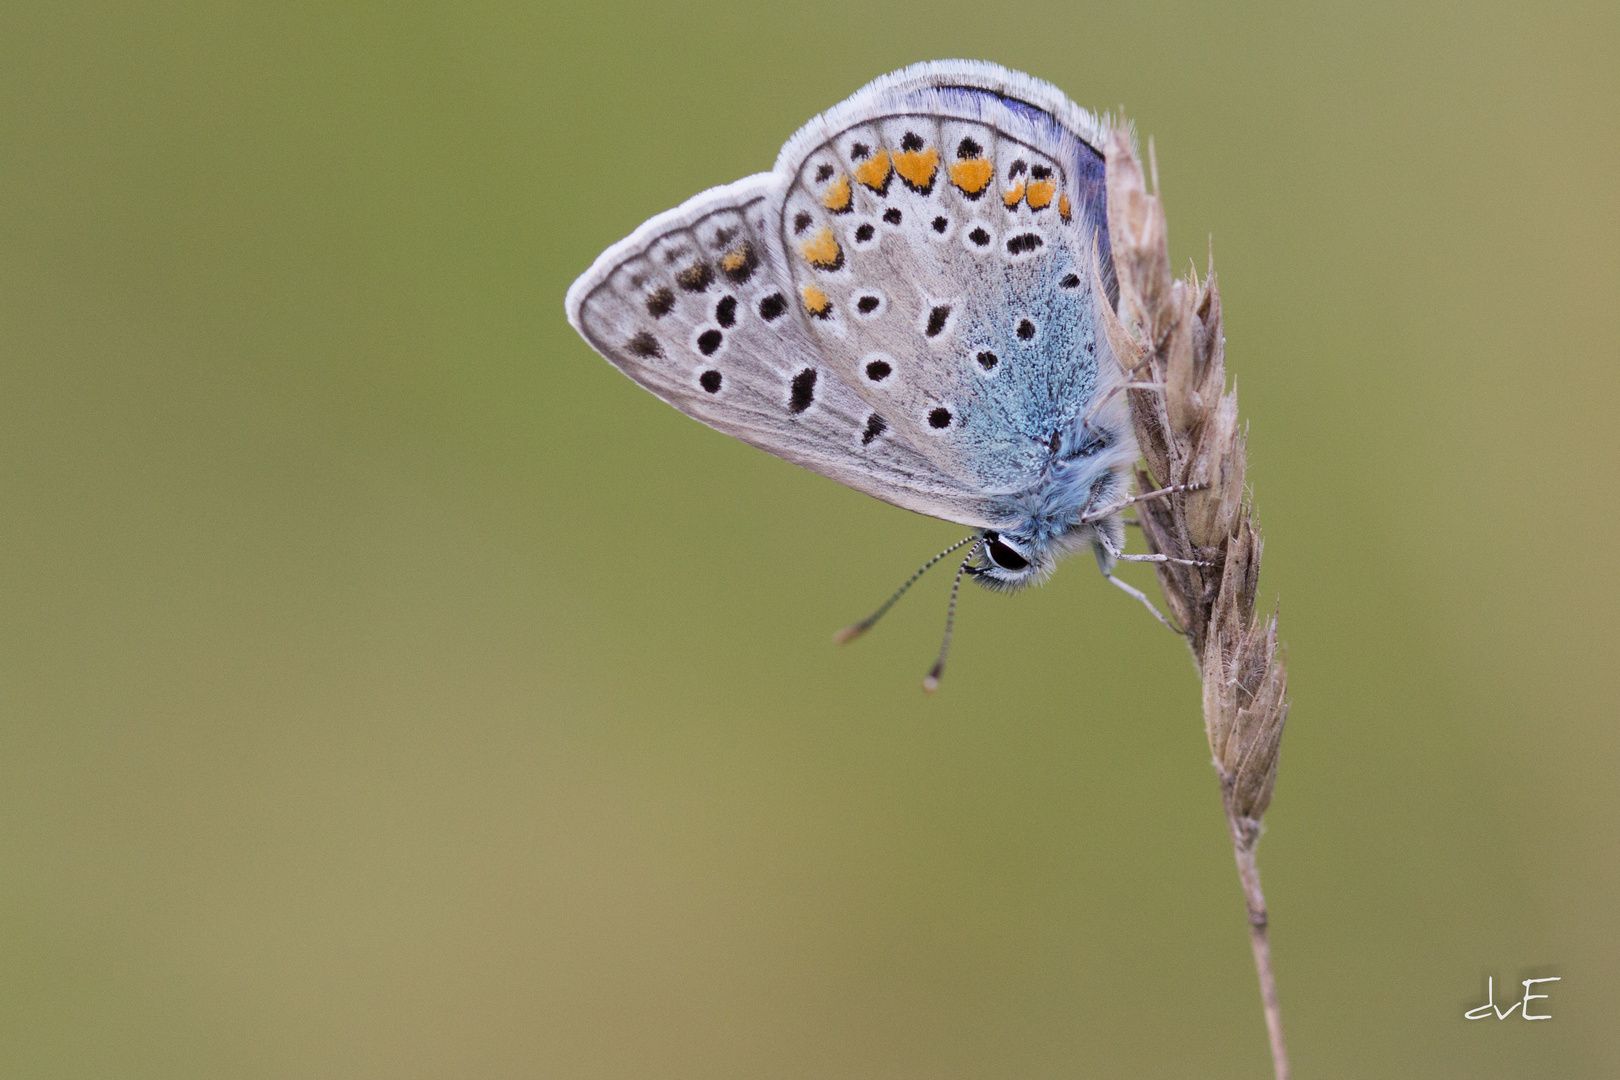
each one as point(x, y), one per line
point(734, 260)
point(917, 167)
point(1012, 196)
point(1039, 194)
point(815, 301)
point(972, 175)
point(822, 250)
point(1063, 207)
point(836, 197)
point(874, 171)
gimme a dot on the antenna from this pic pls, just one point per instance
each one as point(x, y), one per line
point(931, 680)
point(850, 633)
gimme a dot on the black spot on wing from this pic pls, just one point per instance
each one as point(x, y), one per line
point(865, 232)
point(1026, 329)
point(941, 224)
point(936, 319)
point(696, 278)
point(911, 142)
point(892, 215)
point(1023, 242)
point(802, 391)
point(967, 148)
point(660, 303)
point(867, 304)
point(987, 360)
point(708, 342)
point(772, 306)
point(939, 418)
point(710, 381)
point(875, 426)
point(644, 345)
point(1070, 281)
point(801, 222)
point(878, 370)
point(979, 236)
point(725, 312)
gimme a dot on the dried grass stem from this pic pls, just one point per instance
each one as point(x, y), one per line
point(1168, 335)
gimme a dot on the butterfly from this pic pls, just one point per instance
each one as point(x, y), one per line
point(909, 303)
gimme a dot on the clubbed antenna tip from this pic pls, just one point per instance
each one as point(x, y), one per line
point(931, 680)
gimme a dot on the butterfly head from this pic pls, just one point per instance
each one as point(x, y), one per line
point(1007, 560)
point(1087, 475)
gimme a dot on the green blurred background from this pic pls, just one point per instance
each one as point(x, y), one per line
point(389, 688)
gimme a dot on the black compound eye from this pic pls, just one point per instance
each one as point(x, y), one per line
point(1006, 558)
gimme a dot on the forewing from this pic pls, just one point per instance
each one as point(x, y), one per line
point(939, 228)
point(698, 306)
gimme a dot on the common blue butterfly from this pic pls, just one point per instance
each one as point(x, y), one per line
point(907, 304)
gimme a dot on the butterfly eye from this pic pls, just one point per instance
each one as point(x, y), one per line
point(1006, 558)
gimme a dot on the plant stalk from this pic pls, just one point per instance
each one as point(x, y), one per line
point(1167, 335)
point(1260, 942)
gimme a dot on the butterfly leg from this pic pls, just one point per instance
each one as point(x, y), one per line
point(1103, 547)
point(1131, 590)
point(1113, 508)
point(1115, 553)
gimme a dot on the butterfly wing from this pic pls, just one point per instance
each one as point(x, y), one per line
point(698, 307)
point(903, 304)
point(947, 215)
